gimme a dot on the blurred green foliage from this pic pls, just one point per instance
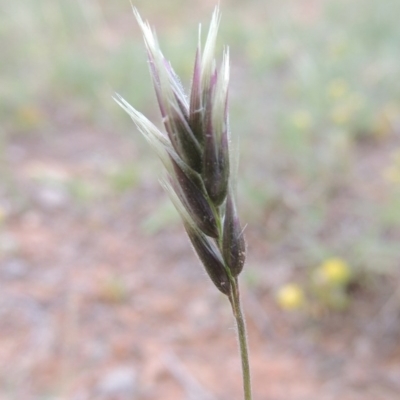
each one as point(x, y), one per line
point(315, 101)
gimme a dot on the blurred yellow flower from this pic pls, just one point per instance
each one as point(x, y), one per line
point(337, 88)
point(396, 157)
point(333, 271)
point(392, 174)
point(381, 127)
point(290, 297)
point(302, 120)
point(3, 214)
point(341, 115)
point(30, 116)
point(385, 120)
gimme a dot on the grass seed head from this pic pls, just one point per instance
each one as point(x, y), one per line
point(195, 153)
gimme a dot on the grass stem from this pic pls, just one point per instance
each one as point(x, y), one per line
point(241, 327)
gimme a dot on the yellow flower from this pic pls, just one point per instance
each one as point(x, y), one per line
point(341, 115)
point(302, 120)
point(337, 88)
point(30, 117)
point(333, 271)
point(392, 174)
point(290, 297)
point(3, 215)
point(385, 120)
point(396, 157)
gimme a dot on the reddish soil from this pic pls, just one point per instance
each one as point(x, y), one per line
point(93, 308)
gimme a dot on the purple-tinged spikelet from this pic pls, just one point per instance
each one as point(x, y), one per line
point(195, 202)
point(210, 256)
point(233, 243)
point(195, 153)
point(196, 108)
point(207, 251)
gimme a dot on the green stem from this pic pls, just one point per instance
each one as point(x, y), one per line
point(241, 327)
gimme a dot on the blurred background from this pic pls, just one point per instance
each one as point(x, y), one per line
point(101, 296)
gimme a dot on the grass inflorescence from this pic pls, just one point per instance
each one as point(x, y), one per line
point(195, 151)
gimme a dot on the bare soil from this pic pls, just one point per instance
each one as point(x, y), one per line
point(92, 307)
